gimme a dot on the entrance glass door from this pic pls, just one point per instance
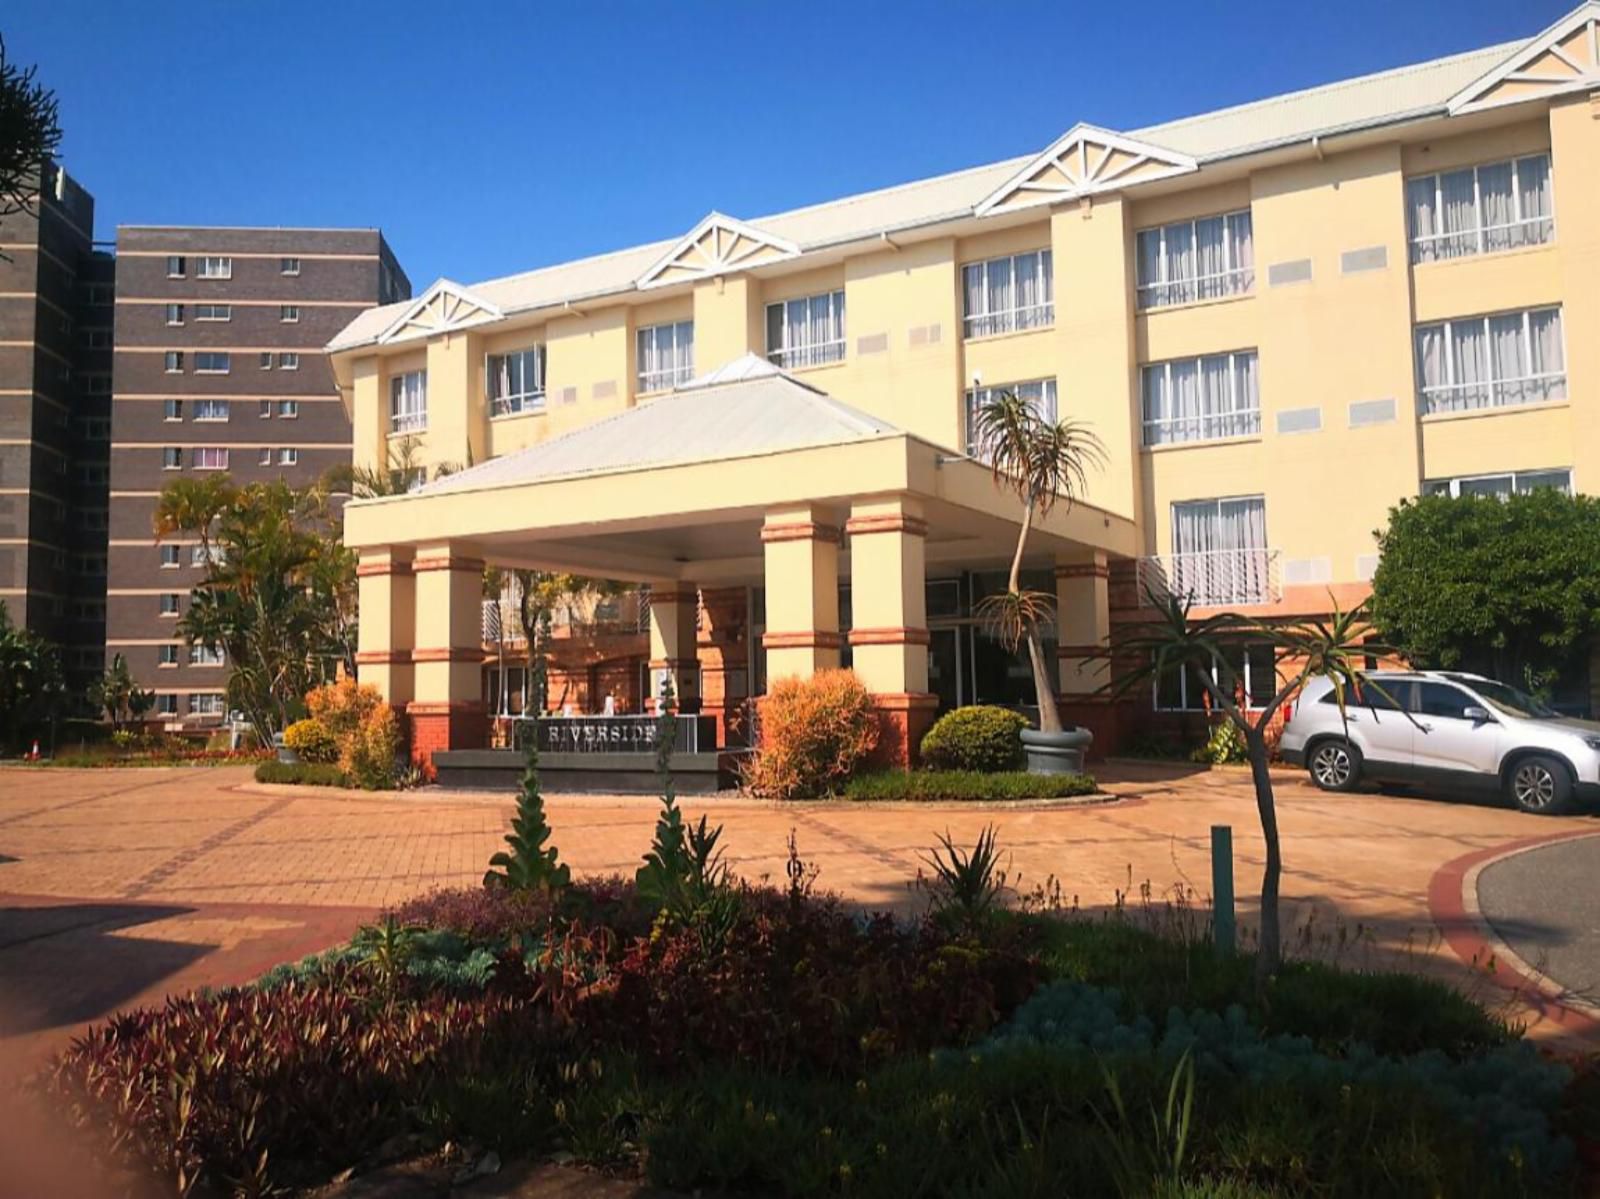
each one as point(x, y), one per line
point(945, 674)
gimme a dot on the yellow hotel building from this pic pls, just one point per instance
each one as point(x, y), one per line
point(1280, 318)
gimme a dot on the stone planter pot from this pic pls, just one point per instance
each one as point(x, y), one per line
point(1056, 753)
point(286, 756)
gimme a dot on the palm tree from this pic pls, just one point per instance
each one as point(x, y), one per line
point(400, 473)
point(1044, 463)
point(1171, 642)
point(193, 506)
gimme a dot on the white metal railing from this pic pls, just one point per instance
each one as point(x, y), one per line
point(1461, 243)
point(1494, 393)
point(1213, 578)
point(817, 353)
point(1205, 427)
point(1197, 287)
point(664, 379)
point(512, 405)
point(1010, 320)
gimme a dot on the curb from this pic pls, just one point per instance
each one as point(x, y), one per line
point(1453, 906)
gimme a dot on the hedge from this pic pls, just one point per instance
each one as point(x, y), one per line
point(306, 774)
point(926, 786)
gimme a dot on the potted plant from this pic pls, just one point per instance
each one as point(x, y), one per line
point(1043, 462)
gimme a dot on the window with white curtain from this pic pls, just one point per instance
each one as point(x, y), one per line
point(1006, 294)
point(408, 402)
point(206, 703)
point(808, 331)
point(210, 457)
point(1038, 394)
point(1201, 399)
point(204, 655)
point(212, 267)
point(212, 362)
point(211, 410)
point(1511, 482)
point(1477, 210)
point(1251, 668)
point(666, 355)
point(1196, 260)
point(1219, 551)
point(514, 382)
point(1494, 361)
point(166, 704)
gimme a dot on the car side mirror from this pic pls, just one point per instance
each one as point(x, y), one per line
point(1476, 714)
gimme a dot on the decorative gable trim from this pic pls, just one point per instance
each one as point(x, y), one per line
point(443, 308)
point(1085, 161)
point(718, 245)
point(1564, 58)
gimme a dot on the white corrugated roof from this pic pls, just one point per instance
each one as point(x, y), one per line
point(747, 407)
point(1297, 116)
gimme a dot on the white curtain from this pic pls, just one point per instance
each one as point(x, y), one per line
point(1422, 217)
point(1148, 243)
point(1533, 196)
point(1432, 368)
point(1211, 261)
point(1469, 365)
point(1184, 401)
point(683, 337)
point(1000, 295)
point(1216, 397)
point(1242, 239)
point(1459, 215)
point(1180, 264)
point(1508, 360)
point(1544, 329)
point(1497, 207)
point(1247, 393)
point(974, 294)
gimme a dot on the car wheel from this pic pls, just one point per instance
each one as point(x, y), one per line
point(1335, 765)
point(1541, 785)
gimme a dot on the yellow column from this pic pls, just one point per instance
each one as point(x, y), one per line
point(1575, 157)
point(801, 551)
point(1083, 624)
point(674, 632)
point(888, 598)
point(448, 711)
point(386, 609)
point(456, 424)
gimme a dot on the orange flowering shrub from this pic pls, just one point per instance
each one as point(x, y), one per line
point(814, 733)
point(363, 727)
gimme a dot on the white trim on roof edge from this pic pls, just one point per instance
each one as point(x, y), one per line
point(726, 254)
point(1081, 155)
point(459, 309)
point(1512, 70)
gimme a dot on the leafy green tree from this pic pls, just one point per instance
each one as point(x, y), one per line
point(119, 696)
point(1043, 462)
point(33, 689)
point(1172, 641)
point(1504, 587)
point(30, 134)
point(528, 865)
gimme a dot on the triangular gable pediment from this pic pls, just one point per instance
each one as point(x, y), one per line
point(718, 245)
point(1085, 161)
point(443, 308)
point(1564, 58)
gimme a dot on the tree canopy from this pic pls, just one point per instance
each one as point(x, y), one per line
point(29, 135)
point(1505, 587)
point(32, 689)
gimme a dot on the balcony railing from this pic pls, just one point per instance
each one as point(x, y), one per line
point(502, 622)
point(1497, 393)
point(1213, 579)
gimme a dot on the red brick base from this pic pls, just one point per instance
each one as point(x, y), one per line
point(432, 727)
point(1108, 720)
point(902, 721)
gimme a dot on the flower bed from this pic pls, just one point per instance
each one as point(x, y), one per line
point(111, 757)
point(931, 786)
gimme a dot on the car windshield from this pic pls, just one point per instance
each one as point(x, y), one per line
point(1511, 701)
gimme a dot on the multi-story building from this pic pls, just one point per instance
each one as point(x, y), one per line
point(54, 396)
point(219, 367)
point(1279, 318)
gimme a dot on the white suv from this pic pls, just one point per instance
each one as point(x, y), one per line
point(1442, 727)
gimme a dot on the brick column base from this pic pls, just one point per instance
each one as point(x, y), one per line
point(1107, 719)
point(431, 727)
point(902, 721)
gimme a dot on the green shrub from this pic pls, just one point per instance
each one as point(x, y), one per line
point(930, 786)
point(305, 774)
point(312, 740)
point(1224, 747)
point(980, 737)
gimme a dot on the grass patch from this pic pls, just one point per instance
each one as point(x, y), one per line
point(304, 774)
point(930, 786)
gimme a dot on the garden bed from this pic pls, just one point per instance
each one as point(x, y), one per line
point(969, 786)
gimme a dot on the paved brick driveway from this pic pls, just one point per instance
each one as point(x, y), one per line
point(119, 886)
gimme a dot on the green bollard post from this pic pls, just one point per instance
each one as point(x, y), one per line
point(1223, 923)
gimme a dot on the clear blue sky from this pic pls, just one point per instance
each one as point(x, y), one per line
point(487, 138)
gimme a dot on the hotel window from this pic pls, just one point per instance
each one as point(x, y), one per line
point(1201, 399)
point(215, 268)
point(1252, 666)
point(1004, 295)
point(1196, 260)
point(666, 356)
point(168, 655)
point(408, 402)
point(170, 555)
point(201, 655)
point(289, 313)
point(289, 360)
point(207, 703)
point(169, 603)
point(166, 705)
point(264, 409)
point(213, 312)
point(173, 361)
point(265, 361)
point(1039, 394)
point(806, 332)
point(1478, 210)
point(172, 409)
point(1511, 482)
point(514, 382)
point(1219, 551)
point(288, 266)
point(210, 457)
point(1491, 361)
point(177, 267)
point(288, 456)
point(174, 314)
point(212, 362)
point(288, 409)
point(172, 458)
point(264, 456)
point(211, 410)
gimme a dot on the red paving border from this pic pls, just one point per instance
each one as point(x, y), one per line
point(1472, 938)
